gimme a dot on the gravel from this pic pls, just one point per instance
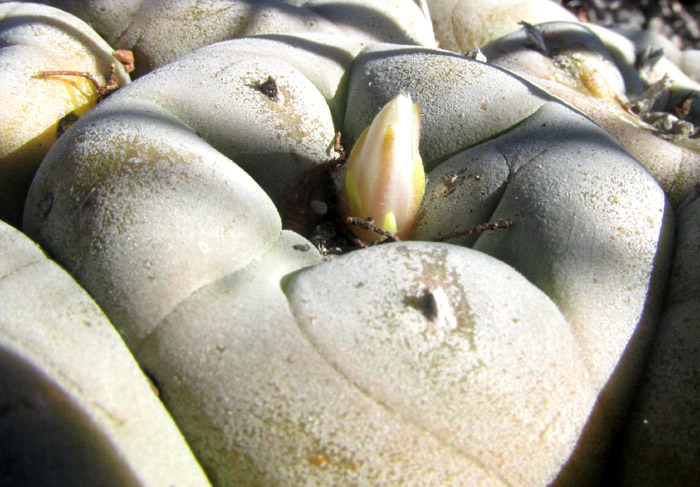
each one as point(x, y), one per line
point(678, 21)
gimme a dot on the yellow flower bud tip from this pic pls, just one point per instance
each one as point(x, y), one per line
point(385, 179)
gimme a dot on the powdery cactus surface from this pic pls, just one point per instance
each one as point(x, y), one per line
point(513, 357)
point(76, 407)
point(161, 31)
point(594, 70)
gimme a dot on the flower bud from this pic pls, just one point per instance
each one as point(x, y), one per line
point(385, 179)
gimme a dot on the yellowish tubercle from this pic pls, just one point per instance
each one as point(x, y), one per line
point(76, 95)
point(79, 94)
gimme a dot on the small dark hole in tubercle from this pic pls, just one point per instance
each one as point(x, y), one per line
point(426, 303)
point(268, 88)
